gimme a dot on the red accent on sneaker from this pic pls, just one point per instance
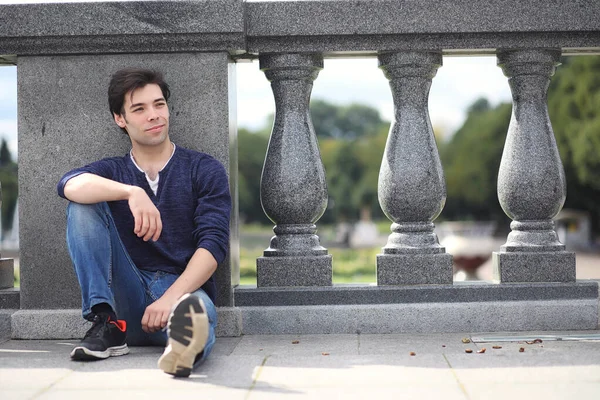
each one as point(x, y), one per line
point(120, 323)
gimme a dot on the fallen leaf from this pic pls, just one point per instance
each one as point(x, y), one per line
point(538, 341)
point(324, 353)
point(466, 340)
point(522, 350)
point(481, 351)
point(443, 345)
point(295, 341)
point(496, 347)
point(412, 353)
point(468, 351)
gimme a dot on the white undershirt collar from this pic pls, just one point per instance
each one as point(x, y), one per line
point(153, 183)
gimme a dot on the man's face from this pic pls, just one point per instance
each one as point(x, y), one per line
point(145, 116)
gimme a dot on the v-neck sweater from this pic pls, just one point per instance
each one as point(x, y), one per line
point(194, 204)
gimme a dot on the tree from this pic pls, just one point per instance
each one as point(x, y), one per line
point(471, 160)
point(574, 108)
point(5, 156)
point(252, 148)
point(346, 122)
point(10, 187)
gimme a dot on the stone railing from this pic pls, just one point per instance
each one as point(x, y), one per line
point(65, 53)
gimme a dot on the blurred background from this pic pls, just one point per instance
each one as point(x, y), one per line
point(351, 108)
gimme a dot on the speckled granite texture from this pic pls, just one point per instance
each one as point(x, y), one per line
point(411, 189)
point(531, 180)
point(293, 190)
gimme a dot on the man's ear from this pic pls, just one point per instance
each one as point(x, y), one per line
point(120, 120)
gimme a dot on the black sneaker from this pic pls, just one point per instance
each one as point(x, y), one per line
point(106, 338)
point(188, 333)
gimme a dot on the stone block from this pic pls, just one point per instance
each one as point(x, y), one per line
point(69, 324)
point(515, 267)
point(229, 322)
point(5, 324)
point(369, 26)
point(423, 317)
point(7, 273)
point(122, 27)
point(458, 292)
point(49, 324)
point(414, 269)
point(10, 298)
point(294, 271)
point(64, 123)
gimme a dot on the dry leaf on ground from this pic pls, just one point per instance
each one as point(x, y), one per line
point(466, 340)
point(295, 341)
point(468, 351)
point(481, 351)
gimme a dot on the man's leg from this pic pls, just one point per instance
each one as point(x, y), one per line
point(191, 329)
point(108, 279)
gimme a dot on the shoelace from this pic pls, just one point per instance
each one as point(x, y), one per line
point(100, 324)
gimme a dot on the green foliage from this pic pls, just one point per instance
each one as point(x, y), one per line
point(5, 156)
point(10, 187)
point(471, 160)
point(352, 139)
point(472, 157)
point(574, 108)
point(347, 122)
point(252, 148)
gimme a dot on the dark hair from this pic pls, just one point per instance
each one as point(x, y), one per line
point(129, 79)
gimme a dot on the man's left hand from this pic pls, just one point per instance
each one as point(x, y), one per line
point(157, 314)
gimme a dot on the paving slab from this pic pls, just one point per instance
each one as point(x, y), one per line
point(354, 366)
point(297, 345)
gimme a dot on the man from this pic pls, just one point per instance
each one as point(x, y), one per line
point(145, 233)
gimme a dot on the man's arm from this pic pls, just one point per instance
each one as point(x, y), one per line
point(200, 267)
point(88, 188)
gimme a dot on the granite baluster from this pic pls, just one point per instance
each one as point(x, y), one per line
point(531, 179)
point(412, 190)
point(293, 189)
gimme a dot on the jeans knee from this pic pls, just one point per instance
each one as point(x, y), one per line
point(81, 213)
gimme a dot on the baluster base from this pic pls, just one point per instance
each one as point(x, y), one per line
point(294, 271)
point(534, 266)
point(414, 269)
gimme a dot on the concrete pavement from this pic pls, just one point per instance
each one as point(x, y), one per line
point(320, 367)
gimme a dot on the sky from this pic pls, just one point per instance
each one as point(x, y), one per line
point(458, 83)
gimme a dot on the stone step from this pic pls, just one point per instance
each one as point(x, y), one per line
point(545, 315)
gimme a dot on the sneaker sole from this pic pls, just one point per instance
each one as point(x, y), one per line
point(188, 334)
point(81, 353)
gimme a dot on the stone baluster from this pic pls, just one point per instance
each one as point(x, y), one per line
point(531, 180)
point(293, 190)
point(412, 190)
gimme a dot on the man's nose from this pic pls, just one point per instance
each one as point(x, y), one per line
point(152, 114)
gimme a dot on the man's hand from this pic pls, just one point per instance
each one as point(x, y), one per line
point(148, 224)
point(157, 314)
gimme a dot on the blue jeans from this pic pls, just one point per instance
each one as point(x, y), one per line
point(107, 274)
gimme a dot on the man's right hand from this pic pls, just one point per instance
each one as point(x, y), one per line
point(148, 224)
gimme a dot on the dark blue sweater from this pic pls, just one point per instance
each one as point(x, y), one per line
point(194, 204)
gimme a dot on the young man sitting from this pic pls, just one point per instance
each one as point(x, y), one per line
point(145, 233)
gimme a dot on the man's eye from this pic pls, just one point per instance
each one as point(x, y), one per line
point(137, 109)
point(160, 104)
